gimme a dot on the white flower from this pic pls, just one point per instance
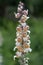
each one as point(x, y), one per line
point(18, 44)
point(18, 53)
point(25, 38)
point(23, 24)
point(27, 50)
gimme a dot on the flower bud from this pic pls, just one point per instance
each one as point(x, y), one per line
point(25, 12)
point(19, 9)
point(17, 15)
point(21, 3)
point(18, 53)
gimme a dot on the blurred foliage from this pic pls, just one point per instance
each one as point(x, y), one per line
point(8, 30)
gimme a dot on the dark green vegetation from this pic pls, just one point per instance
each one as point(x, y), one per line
point(8, 30)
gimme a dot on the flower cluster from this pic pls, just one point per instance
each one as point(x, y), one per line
point(22, 34)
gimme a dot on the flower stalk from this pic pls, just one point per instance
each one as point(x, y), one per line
point(23, 39)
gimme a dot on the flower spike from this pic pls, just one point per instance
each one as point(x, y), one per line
point(22, 35)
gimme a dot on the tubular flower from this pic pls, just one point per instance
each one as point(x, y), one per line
point(22, 35)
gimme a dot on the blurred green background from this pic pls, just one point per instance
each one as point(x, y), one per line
point(8, 25)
